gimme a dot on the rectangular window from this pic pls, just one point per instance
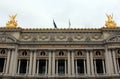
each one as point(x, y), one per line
point(80, 66)
point(99, 66)
point(61, 67)
point(23, 66)
point(2, 61)
point(42, 66)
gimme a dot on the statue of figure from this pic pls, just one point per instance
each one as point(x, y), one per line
point(110, 23)
point(110, 17)
point(12, 18)
point(12, 22)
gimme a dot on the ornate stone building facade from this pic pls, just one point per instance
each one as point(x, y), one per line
point(59, 53)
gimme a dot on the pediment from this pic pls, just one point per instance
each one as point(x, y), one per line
point(115, 38)
point(7, 39)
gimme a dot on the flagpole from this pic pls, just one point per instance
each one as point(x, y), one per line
point(55, 26)
point(69, 23)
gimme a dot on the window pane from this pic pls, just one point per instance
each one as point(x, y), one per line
point(80, 66)
point(23, 66)
point(99, 66)
point(42, 66)
point(2, 60)
point(61, 66)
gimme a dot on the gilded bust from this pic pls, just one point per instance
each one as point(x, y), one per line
point(12, 23)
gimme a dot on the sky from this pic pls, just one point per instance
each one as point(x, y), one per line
point(40, 13)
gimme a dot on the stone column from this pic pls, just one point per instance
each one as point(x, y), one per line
point(65, 65)
point(103, 64)
point(8, 61)
point(11, 61)
point(53, 64)
point(37, 66)
point(76, 67)
point(110, 62)
point(85, 67)
point(4, 67)
point(30, 66)
point(69, 64)
point(34, 63)
point(46, 67)
point(72, 61)
point(107, 61)
point(56, 64)
point(114, 61)
point(18, 67)
point(49, 65)
point(88, 63)
point(95, 67)
point(27, 70)
point(15, 60)
point(91, 61)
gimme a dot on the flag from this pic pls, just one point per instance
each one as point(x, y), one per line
point(55, 26)
point(69, 23)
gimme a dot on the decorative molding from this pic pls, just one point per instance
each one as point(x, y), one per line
point(43, 37)
point(61, 37)
point(78, 37)
point(96, 37)
point(115, 38)
point(7, 39)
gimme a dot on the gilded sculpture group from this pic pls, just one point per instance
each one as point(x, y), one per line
point(110, 23)
point(12, 23)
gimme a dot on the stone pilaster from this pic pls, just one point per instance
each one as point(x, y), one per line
point(69, 64)
point(30, 66)
point(34, 63)
point(50, 63)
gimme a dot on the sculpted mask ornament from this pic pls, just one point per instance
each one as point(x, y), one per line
point(12, 23)
point(110, 23)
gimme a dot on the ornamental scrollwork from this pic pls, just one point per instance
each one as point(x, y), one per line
point(43, 37)
point(61, 37)
point(78, 37)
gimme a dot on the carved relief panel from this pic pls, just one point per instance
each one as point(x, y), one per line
point(23, 54)
point(99, 54)
point(42, 54)
point(80, 54)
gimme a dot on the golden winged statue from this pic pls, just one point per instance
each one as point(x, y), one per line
point(110, 23)
point(12, 23)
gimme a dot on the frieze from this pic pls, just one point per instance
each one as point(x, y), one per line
point(114, 39)
point(96, 37)
point(25, 37)
point(43, 37)
point(61, 37)
point(7, 39)
point(78, 37)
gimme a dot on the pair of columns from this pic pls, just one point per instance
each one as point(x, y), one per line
point(111, 62)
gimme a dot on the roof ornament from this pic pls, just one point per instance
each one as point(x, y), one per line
point(12, 23)
point(110, 23)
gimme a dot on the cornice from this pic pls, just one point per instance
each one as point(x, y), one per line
point(59, 30)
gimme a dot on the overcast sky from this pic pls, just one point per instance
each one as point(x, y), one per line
point(40, 13)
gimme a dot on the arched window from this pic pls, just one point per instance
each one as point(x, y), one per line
point(42, 53)
point(98, 53)
point(79, 53)
point(2, 51)
point(24, 53)
point(61, 53)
